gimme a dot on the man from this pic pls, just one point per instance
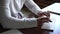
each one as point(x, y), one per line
point(11, 9)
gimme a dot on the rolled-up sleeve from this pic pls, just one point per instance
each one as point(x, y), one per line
point(11, 22)
point(32, 6)
point(21, 23)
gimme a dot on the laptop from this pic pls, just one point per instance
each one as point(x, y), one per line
point(53, 8)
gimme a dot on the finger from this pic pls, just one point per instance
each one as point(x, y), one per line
point(40, 14)
point(45, 20)
point(43, 17)
point(50, 20)
point(47, 14)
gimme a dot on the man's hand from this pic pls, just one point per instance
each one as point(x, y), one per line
point(47, 14)
point(42, 20)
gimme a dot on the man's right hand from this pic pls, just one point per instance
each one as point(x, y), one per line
point(42, 20)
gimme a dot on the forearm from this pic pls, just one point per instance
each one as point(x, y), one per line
point(32, 6)
point(11, 22)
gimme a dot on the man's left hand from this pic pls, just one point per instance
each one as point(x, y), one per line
point(47, 14)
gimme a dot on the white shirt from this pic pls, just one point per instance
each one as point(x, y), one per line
point(8, 7)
